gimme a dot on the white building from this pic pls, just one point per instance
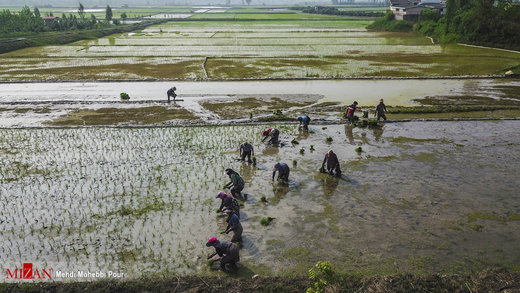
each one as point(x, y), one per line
point(411, 9)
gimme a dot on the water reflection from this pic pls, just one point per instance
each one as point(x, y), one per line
point(378, 132)
point(247, 171)
point(302, 134)
point(349, 133)
point(330, 184)
point(279, 192)
point(271, 150)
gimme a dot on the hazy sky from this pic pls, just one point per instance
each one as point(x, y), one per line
point(118, 3)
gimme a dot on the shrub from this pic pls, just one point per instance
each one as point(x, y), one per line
point(266, 221)
point(323, 276)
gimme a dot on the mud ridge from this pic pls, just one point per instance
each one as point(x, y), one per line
point(241, 122)
point(492, 76)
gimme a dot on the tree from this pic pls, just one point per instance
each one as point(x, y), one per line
point(124, 16)
point(108, 13)
point(451, 7)
point(81, 11)
point(37, 12)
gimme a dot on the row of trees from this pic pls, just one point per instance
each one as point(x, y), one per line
point(32, 21)
point(23, 21)
point(485, 22)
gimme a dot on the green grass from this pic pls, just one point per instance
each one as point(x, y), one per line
point(264, 16)
point(298, 23)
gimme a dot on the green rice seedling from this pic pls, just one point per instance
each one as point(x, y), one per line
point(266, 221)
point(324, 127)
point(302, 151)
point(372, 122)
point(295, 163)
point(365, 114)
point(329, 139)
point(311, 148)
point(263, 199)
point(359, 149)
point(294, 141)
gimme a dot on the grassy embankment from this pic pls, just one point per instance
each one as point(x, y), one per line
point(485, 281)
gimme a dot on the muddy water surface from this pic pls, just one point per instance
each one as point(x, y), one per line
point(31, 104)
point(421, 196)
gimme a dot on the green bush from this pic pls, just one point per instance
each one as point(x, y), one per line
point(323, 276)
point(266, 221)
point(388, 23)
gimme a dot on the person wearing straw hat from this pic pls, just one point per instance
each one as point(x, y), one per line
point(228, 252)
point(380, 110)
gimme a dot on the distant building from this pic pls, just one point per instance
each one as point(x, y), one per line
point(50, 19)
point(411, 9)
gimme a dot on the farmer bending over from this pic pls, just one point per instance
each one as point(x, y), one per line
point(283, 172)
point(304, 120)
point(350, 111)
point(332, 163)
point(246, 149)
point(227, 251)
point(171, 93)
point(235, 226)
point(229, 202)
point(272, 134)
point(236, 181)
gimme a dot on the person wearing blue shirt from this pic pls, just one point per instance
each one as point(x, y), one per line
point(283, 172)
point(305, 121)
point(235, 226)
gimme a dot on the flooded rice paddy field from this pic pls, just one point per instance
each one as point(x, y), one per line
point(420, 197)
point(300, 48)
point(83, 103)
